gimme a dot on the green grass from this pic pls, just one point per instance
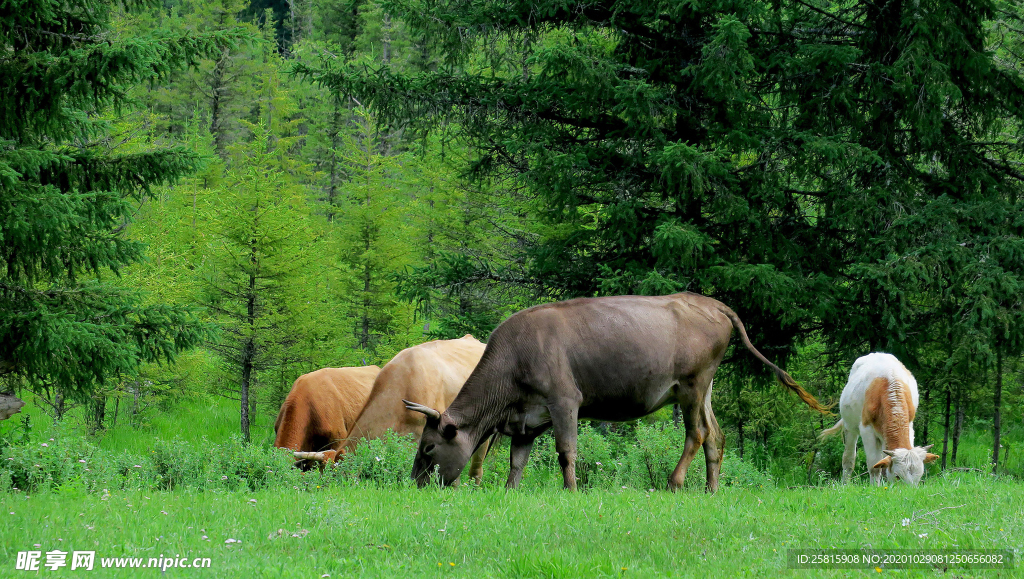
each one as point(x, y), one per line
point(480, 532)
point(196, 420)
point(214, 419)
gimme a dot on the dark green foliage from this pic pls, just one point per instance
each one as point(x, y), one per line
point(834, 168)
point(67, 195)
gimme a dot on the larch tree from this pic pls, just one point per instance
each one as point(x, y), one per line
point(255, 267)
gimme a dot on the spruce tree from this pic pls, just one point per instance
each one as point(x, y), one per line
point(816, 166)
point(65, 321)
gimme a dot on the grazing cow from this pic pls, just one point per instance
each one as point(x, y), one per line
point(609, 358)
point(321, 408)
point(432, 373)
point(878, 404)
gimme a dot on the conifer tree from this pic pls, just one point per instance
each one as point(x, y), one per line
point(256, 266)
point(65, 321)
point(372, 228)
point(815, 166)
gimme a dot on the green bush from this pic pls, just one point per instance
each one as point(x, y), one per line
point(640, 457)
point(177, 464)
point(385, 462)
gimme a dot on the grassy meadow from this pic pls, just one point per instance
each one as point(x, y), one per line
point(179, 484)
point(488, 532)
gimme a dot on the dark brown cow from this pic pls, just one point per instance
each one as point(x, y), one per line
point(316, 417)
point(610, 358)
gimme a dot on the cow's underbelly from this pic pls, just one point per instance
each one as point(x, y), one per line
point(631, 401)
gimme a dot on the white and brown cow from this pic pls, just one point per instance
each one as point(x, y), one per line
point(878, 404)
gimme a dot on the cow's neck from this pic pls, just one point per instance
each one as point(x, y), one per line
point(896, 416)
point(481, 409)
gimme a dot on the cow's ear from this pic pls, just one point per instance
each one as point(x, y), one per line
point(447, 427)
point(884, 463)
point(449, 431)
point(929, 457)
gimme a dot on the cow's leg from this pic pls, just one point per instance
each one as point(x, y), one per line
point(872, 452)
point(696, 432)
point(849, 453)
point(714, 444)
point(518, 455)
point(565, 426)
point(476, 466)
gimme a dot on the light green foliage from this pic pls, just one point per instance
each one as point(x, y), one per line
point(372, 231)
point(261, 285)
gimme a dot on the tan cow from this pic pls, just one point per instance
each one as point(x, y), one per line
point(431, 373)
point(320, 410)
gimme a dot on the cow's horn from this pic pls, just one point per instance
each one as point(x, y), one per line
point(927, 447)
point(311, 455)
point(430, 412)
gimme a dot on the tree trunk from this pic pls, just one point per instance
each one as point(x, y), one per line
point(217, 104)
point(924, 419)
point(248, 351)
point(244, 397)
point(135, 402)
point(332, 188)
point(740, 425)
point(386, 38)
point(99, 410)
point(958, 428)
point(997, 402)
point(364, 336)
point(58, 406)
point(945, 426)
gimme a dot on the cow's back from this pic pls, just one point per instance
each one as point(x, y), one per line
point(863, 373)
point(322, 406)
point(612, 345)
point(431, 373)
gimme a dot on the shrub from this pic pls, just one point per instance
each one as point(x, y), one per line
point(385, 461)
point(177, 464)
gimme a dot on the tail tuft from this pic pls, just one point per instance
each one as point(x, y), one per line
point(804, 395)
point(784, 378)
point(831, 431)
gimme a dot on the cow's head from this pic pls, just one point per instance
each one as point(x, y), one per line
point(442, 446)
point(906, 464)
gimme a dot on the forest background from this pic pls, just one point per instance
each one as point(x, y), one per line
point(364, 176)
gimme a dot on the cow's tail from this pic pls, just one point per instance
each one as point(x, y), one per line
point(781, 374)
point(831, 431)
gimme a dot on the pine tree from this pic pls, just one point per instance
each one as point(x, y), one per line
point(65, 321)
